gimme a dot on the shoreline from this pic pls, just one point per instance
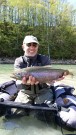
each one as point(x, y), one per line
point(53, 61)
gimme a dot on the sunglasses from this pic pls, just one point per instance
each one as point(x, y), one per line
point(32, 44)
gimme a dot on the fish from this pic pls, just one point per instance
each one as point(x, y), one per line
point(43, 74)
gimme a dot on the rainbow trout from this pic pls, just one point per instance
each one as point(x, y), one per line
point(43, 74)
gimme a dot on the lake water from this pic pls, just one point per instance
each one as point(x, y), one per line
point(30, 125)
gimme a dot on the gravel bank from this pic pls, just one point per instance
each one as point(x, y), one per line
point(11, 61)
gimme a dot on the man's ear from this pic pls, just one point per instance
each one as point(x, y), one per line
point(23, 47)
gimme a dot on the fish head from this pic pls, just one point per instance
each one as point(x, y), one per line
point(19, 74)
point(16, 75)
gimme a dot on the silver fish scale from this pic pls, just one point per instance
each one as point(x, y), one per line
point(45, 75)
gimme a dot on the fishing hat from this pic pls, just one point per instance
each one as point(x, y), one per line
point(30, 39)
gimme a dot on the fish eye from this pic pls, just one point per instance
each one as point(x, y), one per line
point(18, 74)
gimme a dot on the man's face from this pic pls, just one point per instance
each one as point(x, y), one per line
point(30, 49)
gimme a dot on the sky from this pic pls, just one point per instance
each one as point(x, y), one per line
point(72, 2)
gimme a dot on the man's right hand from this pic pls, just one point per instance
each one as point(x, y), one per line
point(31, 81)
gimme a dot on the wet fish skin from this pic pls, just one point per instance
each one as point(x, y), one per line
point(43, 74)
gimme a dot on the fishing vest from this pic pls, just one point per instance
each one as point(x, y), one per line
point(38, 60)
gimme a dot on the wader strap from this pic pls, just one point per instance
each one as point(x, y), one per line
point(29, 89)
point(37, 90)
point(33, 89)
point(53, 90)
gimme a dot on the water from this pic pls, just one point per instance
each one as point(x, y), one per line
point(27, 125)
point(5, 72)
point(30, 125)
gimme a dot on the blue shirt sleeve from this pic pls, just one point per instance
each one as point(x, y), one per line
point(45, 60)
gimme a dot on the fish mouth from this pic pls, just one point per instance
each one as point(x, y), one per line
point(12, 76)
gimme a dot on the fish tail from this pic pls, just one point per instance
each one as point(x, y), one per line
point(68, 73)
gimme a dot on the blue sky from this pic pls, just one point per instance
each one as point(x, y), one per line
point(72, 2)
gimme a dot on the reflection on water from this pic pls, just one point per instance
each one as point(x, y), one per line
point(27, 126)
point(8, 125)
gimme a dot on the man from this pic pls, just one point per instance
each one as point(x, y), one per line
point(34, 92)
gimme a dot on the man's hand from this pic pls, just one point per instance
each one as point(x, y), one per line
point(32, 80)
